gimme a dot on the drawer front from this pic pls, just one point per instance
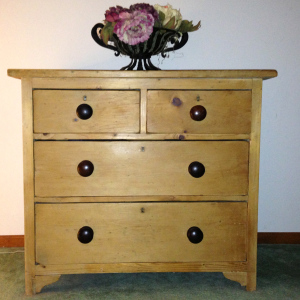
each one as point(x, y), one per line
point(134, 232)
point(85, 111)
point(141, 168)
point(213, 112)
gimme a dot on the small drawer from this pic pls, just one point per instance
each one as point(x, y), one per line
point(137, 168)
point(134, 232)
point(86, 111)
point(206, 112)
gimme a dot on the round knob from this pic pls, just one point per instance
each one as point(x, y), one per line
point(196, 169)
point(195, 235)
point(85, 234)
point(85, 168)
point(198, 113)
point(84, 111)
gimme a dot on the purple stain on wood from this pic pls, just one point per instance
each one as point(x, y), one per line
point(176, 101)
point(181, 137)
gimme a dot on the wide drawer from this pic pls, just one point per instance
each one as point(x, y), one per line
point(135, 232)
point(133, 168)
point(214, 112)
point(85, 111)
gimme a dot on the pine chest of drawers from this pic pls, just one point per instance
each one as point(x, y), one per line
point(140, 171)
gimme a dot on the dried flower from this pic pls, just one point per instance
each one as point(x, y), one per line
point(134, 28)
point(145, 7)
point(135, 25)
point(112, 15)
point(171, 18)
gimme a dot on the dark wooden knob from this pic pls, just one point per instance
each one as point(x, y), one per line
point(84, 111)
point(198, 113)
point(85, 168)
point(85, 234)
point(196, 169)
point(195, 235)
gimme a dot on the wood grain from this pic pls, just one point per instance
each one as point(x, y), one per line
point(143, 111)
point(165, 198)
point(135, 232)
point(141, 83)
point(274, 238)
point(28, 171)
point(240, 277)
point(40, 73)
point(113, 111)
point(141, 168)
point(42, 281)
point(228, 112)
point(142, 267)
point(254, 184)
point(141, 136)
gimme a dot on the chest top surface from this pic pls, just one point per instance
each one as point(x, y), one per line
point(44, 73)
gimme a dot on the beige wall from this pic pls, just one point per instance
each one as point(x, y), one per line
point(235, 34)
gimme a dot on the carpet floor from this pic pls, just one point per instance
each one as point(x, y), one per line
point(278, 277)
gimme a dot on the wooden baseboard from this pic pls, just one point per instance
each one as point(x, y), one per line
point(11, 241)
point(263, 238)
point(278, 238)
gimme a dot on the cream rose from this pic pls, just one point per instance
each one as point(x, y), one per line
point(169, 13)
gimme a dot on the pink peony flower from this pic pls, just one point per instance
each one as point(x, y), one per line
point(112, 14)
point(135, 27)
point(146, 7)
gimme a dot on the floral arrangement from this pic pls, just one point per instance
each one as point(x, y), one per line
point(135, 24)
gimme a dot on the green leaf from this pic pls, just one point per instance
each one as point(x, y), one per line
point(157, 23)
point(187, 26)
point(161, 16)
point(184, 26)
point(170, 24)
point(197, 26)
point(107, 32)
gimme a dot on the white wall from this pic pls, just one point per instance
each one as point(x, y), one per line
point(235, 34)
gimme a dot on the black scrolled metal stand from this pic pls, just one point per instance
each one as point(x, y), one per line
point(141, 53)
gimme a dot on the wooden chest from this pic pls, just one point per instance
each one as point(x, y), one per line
point(140, 171)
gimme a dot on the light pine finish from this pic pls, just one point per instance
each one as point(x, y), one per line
point(254, 184)
point(142, 267)
point(160, 198)
point(113, 111)
point(240, 277)
point(143, 111)
point(227, 112)
point(262, 237)
point(41, 281)
point(139, 136)
point(141, 83)
point(125, 232)
point(28, 171)
point(162, 168)
point(141, 195)
point(239, 74)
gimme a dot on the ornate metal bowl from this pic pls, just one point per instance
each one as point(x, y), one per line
point(141, 53)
